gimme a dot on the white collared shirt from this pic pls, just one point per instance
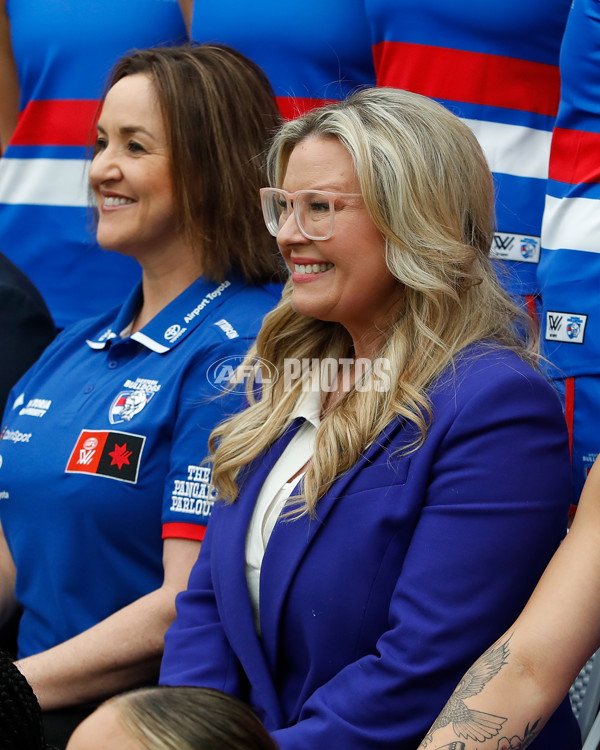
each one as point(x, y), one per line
point(276, 490)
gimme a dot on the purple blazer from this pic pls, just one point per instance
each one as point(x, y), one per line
point(415, 564)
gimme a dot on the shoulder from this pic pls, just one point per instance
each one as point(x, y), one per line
point(487, 383)
point(484, 366)
point(242, 314)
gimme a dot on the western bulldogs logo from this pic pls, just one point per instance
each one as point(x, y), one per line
point(529, 247)
point(127, 404)
point(574, 327)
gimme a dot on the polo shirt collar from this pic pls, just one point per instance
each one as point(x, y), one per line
point(173, 324)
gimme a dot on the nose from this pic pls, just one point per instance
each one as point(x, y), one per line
point(104, 167)
point(289, 232)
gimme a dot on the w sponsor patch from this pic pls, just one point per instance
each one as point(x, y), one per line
point(521, 247)
point(566, 327)
point(115, 455)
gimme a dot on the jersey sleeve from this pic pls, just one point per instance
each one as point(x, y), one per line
point(569, 271)
point(188, 495)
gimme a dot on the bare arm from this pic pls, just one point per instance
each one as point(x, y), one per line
point(122, 651)
point(514, 688)
point(187, 7)
point(9, 84)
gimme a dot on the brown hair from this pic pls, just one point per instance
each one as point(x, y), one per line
point(220, 112)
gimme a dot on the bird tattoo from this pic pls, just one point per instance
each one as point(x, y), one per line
point(466, 722)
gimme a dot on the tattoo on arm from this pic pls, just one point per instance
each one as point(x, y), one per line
point(466, 722)
point(520, 743)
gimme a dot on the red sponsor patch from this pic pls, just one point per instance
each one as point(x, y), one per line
point(109, 454)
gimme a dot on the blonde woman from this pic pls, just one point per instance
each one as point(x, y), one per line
point(395, 488)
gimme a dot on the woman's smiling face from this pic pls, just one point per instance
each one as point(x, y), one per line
point(131, 171)
point(345, 278)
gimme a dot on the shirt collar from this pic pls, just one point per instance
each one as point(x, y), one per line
point(178, 319)
point(308, 407)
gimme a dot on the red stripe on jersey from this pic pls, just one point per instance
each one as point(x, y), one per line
point(66, 122)
point(570, 409)
point(575, 156)
point(292, 107)
point(445, 73)
point(183, 531)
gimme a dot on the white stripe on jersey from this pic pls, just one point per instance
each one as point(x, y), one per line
point(571, 224)
point(513, 149)
point(44, 182)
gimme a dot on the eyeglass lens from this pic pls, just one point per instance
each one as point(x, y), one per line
point(313, 210)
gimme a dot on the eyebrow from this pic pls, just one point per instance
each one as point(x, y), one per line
point(129, 130)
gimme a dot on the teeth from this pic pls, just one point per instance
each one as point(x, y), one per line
point(110, 201)
point(313, 268)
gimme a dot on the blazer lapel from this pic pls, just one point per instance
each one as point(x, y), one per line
point(291, 539)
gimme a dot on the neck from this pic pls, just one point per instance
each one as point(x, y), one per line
point(161, 284)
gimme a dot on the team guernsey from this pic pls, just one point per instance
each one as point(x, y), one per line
point(101, 452)
point(495, 64)
point(64, 50)
point(569, 271)
point(313, 52)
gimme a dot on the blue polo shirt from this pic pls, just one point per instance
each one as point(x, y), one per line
point(101, 451)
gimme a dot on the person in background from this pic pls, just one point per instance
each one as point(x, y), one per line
point(26, 327)
point(312, 53)
point(407, 473)
point(165, 718)
point(569, 270)
point(103, 436)
point(507, 696)
point(495, 65)
point(21, 725)
point(54, 58)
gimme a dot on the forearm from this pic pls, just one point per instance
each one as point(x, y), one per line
point(120, 652)
point(515, 703)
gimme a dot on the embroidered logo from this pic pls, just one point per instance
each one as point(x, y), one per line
point(115, 455)
point(127, 404)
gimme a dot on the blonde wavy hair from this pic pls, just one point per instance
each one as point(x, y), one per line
point(429, 191)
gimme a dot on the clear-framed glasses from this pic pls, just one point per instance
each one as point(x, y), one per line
point(314, 210)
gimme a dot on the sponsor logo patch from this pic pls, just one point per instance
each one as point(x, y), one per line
point(569, 328)
point(506, 246)
point(109, 454)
